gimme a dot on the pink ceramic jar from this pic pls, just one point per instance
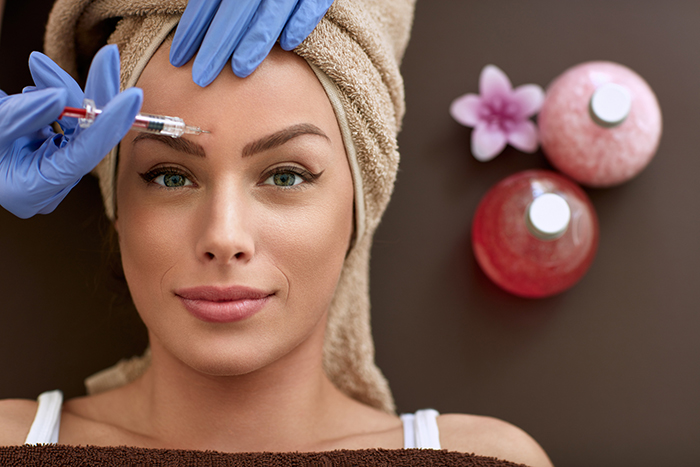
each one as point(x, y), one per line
point(535, 234)
point(600, 123)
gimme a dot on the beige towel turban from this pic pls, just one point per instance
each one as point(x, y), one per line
point(355, 51)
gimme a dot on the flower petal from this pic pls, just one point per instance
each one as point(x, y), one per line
point(524, 136)
point(465, 109)
point(487, 142)
point(494, 83)
point(529, 98)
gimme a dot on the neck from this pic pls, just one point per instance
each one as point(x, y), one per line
point(288, 405)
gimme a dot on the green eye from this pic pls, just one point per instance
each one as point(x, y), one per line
point(172, 180)
point(284, 179)
point(290, 177)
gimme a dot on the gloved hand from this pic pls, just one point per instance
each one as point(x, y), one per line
point(38, 167)
point(245, 28)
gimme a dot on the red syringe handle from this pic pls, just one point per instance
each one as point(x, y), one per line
point(73, 112)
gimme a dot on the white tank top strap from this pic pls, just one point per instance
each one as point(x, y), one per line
point(420, 430)
point(47, 421)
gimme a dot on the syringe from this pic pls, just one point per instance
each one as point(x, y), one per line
point(156, 124)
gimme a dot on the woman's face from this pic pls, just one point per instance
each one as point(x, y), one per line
point(232, 242)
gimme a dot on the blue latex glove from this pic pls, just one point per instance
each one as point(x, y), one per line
point(38, 167)
point(246, 29)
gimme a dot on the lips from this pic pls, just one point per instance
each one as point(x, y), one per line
point(223, 304)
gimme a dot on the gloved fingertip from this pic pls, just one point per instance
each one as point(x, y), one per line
point(47, 74)
point(107, 55)
point(243, 73)
point(252, 51)
point(35, 57)
point(23, 114)
point(176, 56)
point(243, 68)
point(202, 75)
point(103, 78)
point(133, 90)
point(39, 61)
point(136, 94)
point(180, 54)
point(202, 81)
point(302, 22)
point(51, 99)
point(290, 41)
point(49, 102)
point(32, 57)
point(130, 101)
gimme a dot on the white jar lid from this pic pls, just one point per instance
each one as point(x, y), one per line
point(611, 104)
point(548, 216)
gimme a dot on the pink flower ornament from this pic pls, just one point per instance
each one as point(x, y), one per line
point(500, 115)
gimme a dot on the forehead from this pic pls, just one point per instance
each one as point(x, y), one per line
point(282, 91)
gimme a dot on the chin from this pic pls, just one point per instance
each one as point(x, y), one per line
point(231, 362)
point(221, 353)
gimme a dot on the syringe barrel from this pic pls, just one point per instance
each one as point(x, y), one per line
point(160, 125)
point(157, 124)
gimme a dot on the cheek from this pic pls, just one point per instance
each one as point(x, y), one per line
point(309, 247)
point(152, 242)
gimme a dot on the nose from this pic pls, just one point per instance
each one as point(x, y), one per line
point(225, 230)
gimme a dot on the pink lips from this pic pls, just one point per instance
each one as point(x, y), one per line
point(222, 304)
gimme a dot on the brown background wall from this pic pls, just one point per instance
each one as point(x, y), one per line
point(606, 374)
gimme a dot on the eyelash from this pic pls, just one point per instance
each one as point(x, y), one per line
point(306, 176)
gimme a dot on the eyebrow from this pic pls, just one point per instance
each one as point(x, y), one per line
point(265, 143)
point(179, 144)
point(281, 137)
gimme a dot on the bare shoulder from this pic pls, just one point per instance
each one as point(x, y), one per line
point(487, 436)
point(16, 417)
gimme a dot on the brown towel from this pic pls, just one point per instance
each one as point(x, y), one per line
point(356, 51)
point(94, 456)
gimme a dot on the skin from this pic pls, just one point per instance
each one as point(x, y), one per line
point(255, 384)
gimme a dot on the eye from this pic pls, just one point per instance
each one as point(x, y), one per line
point(167, 177)
point(287, 177)
point(284, 179)
point(172, 180)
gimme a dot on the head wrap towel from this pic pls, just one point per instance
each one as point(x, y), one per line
point(355, 51)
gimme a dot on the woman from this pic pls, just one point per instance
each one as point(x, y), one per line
point(246, 248)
